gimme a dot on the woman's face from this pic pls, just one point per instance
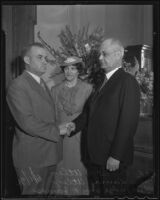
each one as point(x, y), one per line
point(71, 73)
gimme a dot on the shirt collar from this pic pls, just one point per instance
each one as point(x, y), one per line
point(37, 78)
point(109, 74)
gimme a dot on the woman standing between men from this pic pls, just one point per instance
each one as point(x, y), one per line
point(70, 97)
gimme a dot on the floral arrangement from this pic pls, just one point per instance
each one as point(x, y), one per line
point(82, 44)
point(144, 78)
point(86, 45)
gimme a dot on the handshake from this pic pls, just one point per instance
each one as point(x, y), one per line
point(66, 128)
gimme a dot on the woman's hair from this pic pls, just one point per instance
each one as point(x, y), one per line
point(79, 67)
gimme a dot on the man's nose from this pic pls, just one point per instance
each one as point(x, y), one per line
point(44, 61)
point(68, 70)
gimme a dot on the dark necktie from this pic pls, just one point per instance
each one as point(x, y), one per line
point(96, 94)
point(103, 84)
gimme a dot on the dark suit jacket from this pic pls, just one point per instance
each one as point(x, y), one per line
point(36, 139)
point(112, 119)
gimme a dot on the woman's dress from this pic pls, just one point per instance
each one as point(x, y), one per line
point(71, 174)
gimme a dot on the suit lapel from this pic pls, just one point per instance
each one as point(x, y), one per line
point(104, 91)
point(37, 87)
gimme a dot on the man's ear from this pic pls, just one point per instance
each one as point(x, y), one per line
point(120, 53)
point(26, 60)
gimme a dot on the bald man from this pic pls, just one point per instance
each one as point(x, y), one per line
point(111, 116)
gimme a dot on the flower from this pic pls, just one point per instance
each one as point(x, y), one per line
point(143, 77)
point(83, 45)
point(145, 80)
point(88, 48)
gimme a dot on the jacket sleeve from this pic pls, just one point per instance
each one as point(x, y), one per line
point(128, 119)
point(21, 109)
point(82, 120)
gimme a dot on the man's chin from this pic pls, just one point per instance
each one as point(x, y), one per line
point(104, 67)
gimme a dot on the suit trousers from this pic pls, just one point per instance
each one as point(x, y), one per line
point(36, 181)
point(105, 183)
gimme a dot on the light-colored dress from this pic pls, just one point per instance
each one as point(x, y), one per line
point(71, 175)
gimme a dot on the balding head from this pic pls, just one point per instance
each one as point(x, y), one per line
point(111, 54)
point(112, 45)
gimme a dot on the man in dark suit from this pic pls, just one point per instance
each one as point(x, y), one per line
point(37, 137)
point(111, 118)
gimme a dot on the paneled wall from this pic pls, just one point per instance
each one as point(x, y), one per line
point(18, 25)
point(52, 19)
point(132, 24)
point(129, 24)
point(18, 28)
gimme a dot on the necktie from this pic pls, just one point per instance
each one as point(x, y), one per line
point(43, 85)
point(96, 94)
point(103, 84)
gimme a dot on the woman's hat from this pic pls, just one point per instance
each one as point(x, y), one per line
point(71, 60)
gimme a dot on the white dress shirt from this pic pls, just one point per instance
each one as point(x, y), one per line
point(109, 74)
point(37, 78)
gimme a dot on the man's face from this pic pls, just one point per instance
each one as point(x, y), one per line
point(36, 60)
point(108, 57)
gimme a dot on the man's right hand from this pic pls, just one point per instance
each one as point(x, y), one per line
point(62, 129)
point(70, 127)
point(66, 128)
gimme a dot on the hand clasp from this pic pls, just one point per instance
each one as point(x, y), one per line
point(66, 128)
